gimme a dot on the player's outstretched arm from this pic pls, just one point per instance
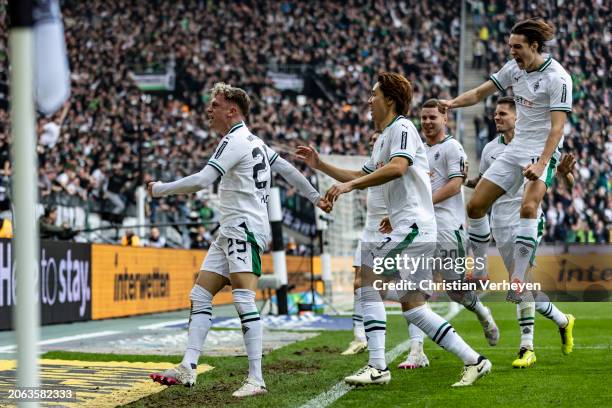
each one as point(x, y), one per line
point(189, 184)
point(390, 171)
point(309, 155)
point(469, 98)
point(297, 179)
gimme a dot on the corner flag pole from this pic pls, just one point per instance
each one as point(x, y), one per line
point(26, 311)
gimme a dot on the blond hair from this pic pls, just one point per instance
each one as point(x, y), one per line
point(234, 95)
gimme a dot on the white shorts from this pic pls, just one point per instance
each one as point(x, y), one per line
point(367, 236)
point(230, 255)
point(504, 240)
point(507, 170)
point(451, 251)
point(407, 244)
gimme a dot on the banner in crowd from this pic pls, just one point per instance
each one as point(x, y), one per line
point(63, 287)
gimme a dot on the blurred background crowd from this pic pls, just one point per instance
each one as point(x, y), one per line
point(112, 137)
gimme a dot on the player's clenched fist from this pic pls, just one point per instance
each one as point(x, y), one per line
point(150, 188)
point(325, 205)
point(444, 105)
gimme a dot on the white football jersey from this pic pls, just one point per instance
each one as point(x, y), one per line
point(376, 208)
point(243, 160)
point(446, 161)
point(506, 209)
point(407, 198)
point(536, 94)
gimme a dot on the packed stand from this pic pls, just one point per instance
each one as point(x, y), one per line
point(89, 153)
point(582, 46)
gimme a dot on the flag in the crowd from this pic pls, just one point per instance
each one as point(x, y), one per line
point(52, 75)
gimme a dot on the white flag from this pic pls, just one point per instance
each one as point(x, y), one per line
point(52, 75)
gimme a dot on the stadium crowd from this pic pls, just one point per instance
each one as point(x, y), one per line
point(112, 136)
point(582, 46)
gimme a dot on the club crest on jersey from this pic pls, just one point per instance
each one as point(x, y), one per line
point(437, 156)
point(536, 85)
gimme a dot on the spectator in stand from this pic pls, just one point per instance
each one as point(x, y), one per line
point(49, 228)
point(130, 239)
point(155, 239)
point(201, 238)
point(6, 228)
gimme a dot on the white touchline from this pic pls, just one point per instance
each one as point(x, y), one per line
point(156, 326)
point(328, 397)
point(12, 347)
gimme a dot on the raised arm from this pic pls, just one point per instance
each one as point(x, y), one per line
point(469, 98)
point(186, 185)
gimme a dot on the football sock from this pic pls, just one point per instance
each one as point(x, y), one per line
point(244, 300)
point(524, 247)
point(200, 320)
point(440, 331)
point(358, 329)
point(375, 325)
point(479, 233)
point(525, 313)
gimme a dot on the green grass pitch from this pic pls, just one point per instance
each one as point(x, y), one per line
point(299, 372)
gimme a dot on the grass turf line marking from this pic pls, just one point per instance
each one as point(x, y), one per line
point(162, 325)
point(328, 397)
point(12, 347)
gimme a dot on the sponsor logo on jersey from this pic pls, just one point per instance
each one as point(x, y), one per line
point(519, 100)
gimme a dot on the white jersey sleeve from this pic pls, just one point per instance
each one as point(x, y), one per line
point(369, 166)
point(229, 152)
point(560, 89)
point(485, 160)
point(455, 160)
point(403, 142)
point(503, 78)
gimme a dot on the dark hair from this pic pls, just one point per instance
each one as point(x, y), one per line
point(50, 209)
point(430, 103)
point(233, 95)
point(535, 30)
point(507, 100)
point(397, 88)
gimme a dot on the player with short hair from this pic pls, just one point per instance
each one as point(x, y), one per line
point(505, 215)
point(244, 163)
point(447, 162)
point(543, 93)
point(398, 163)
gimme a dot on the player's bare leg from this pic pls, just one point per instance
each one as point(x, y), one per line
point(200, 320)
